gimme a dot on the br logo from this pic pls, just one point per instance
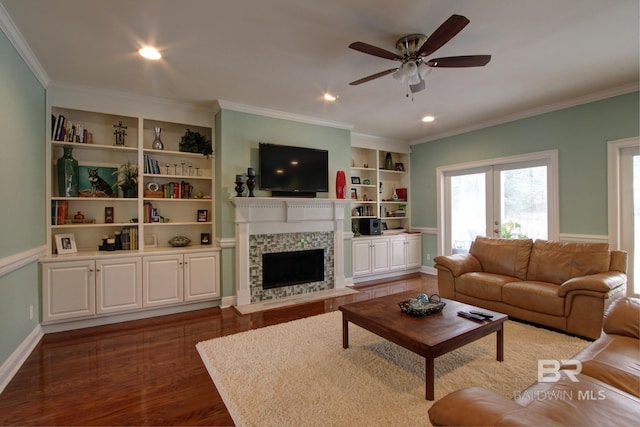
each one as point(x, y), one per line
point(549, 370)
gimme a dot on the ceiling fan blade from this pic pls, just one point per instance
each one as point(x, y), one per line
point(460, 61)
point(374, 50)
point(443, 34)
point(373, 76)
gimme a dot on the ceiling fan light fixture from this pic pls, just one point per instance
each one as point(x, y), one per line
point(150, 53)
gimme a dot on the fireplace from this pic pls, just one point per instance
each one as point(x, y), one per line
point(281, 225)
point(292, 268)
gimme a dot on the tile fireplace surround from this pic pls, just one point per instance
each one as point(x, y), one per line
point(286, 221)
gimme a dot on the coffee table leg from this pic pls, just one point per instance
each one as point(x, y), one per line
point(429, 378)
point(500, 343)
point(345, 332)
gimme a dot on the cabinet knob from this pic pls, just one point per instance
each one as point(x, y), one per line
point(91, 270)
point(97, 269)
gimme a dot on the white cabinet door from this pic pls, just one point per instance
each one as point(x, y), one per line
point(201, 276)
point(379, 255)
point(118, 284)
point(398, 253)
point(68, 290)
point(162, 280)
point(361, 256)
point(414, 251)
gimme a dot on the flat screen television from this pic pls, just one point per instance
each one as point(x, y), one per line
point(289, 171)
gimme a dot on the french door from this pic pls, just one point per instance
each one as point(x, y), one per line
point(508, 198)
point(624, 204)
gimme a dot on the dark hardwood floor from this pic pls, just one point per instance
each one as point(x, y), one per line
point(147, 372)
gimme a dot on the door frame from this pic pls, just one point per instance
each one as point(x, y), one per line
point(614, 190)
point(550, 156)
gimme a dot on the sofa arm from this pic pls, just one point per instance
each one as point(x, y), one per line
point(601, 282)
point(458, 264)
point(477, 406)
point(623, 318)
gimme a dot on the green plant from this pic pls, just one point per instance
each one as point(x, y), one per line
point(512, 229)
point(127, 176)
point(194, 142)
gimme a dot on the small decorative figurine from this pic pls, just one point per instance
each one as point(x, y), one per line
point(120, 133)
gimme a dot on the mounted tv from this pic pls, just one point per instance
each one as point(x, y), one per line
point(289, 171)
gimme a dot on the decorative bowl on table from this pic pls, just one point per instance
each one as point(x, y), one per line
point(179, 241)
point(422, 305)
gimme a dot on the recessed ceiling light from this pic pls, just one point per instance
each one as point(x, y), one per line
point(330, 97)
point(428, 119)
point(150, 53)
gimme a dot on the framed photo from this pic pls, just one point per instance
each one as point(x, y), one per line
point(203, 215)
point(355, 180)
point(66, 244)
point(150, 240)
point(400, 167)
point(108, 214)
point(97, 180)
point(354, 194)
point(205, 238)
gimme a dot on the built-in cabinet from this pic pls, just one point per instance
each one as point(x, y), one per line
point(385, 254)
point(85, 288)
point(380, 186)
point(89, 288)
point(171, 279)
point(173, 196)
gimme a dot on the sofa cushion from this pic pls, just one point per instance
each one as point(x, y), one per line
point(540, 297)
point(615, 360)
point(486, 286)
point(588, 402)
point(557, 262)
point(623, 318)
point(508, 257)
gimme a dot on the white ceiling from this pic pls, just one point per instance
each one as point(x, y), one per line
point(282, 55)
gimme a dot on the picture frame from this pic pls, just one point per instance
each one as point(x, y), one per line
point(108, 215)
point(106, 182)
point(354, 194)
point(203, 215)
point(150, 240)
point(205, 238)
point(399, 167)
point(65, 244)
point(355, 180)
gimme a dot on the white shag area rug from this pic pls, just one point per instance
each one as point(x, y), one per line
point(298, 374)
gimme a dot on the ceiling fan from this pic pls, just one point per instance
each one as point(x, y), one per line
point(413, 50)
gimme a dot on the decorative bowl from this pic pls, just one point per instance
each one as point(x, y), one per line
point(422, 306)
point(179, 241)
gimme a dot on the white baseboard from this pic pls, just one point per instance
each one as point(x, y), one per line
point(11, 366)
point(227, 302)
point(428, 270)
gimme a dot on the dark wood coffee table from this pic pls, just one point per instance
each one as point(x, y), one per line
point(429, 336)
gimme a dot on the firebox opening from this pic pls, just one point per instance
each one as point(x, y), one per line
point(292, 268)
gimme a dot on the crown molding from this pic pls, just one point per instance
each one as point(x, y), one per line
point(573, 102)
point(15, 37)
point(276, 114)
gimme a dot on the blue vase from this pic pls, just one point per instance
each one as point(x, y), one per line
point(67, 174)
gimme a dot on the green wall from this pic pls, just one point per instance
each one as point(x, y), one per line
point(22, 219)
point(580, 135)
point(237, 138)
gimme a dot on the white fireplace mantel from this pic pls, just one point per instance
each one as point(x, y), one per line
point(270, 215)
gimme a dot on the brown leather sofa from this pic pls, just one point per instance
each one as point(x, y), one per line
point(607, 391)
point(565, 286)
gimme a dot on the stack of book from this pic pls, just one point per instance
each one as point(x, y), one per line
point(59, 209)
point(64, 130)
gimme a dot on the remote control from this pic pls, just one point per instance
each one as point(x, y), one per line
point(470, 316)
point(483, 314)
